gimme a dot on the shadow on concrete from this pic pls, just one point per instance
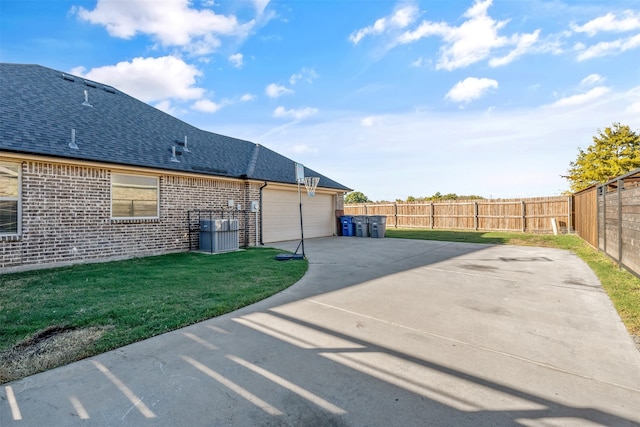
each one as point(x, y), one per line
point(300, 358)
point(433, 412)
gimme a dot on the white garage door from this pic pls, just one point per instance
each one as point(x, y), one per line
point(281, 215)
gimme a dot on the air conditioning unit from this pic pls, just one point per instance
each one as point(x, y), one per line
point(218, 235)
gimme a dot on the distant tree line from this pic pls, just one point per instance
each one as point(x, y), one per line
point(359, 197)
point(437, 197)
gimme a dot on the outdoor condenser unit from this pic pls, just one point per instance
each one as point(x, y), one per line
point(218, 235)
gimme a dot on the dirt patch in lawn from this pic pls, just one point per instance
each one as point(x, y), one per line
point(52, 347)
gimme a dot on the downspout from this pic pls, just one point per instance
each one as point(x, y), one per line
point(260, 212)
point(246, 214)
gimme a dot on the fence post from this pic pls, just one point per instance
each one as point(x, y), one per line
point(597, 217)
point(569, 214)
point(431, 215)
point(604, 219)
point(395, 216)
point(475, 215)
point(620, 183)
point(524, 216)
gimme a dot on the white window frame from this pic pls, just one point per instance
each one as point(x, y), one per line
point(17, 198)
point(135, 177)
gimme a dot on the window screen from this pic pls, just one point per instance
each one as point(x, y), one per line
point(134, 196)
point(9, 198)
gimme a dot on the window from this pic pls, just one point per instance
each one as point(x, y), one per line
point(134, 196)
point(9, 198)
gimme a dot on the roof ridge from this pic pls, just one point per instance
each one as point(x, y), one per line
point(251, 167)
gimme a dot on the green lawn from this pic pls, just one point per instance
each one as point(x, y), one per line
point(109, 305)
point(135, 299)
point(623, 287)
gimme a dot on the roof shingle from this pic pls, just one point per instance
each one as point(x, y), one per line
point(39, 107)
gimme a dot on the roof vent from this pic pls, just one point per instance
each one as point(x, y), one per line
point(109, 89)
point(86, 99)
point(184, 144)
point(68, 77)
point(73, 144)
point(174, 153)
point(90, 84)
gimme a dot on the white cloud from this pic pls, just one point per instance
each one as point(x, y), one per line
point(206, 106)
point(401, 18)
point(306, 74)
point(583, 98)
point(167, 107)
point(236, 60)
point(609, 48)
point(304, 149)
point(208, 44)
point(260, 6)
point(592, 79)
point(523, 43)
point(425, 29)
point(420, 62)
point(474, 40)
point(150, 79)
point(369, 121)
point(171, 22)
point(470, 88)
point(247, 97)
point(610, 22)
point(275, 90)
point(552, 43)
point(634, 108)
point(296, 114)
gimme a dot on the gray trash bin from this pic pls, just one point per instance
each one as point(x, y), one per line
point(362, 227)
point(377, 226)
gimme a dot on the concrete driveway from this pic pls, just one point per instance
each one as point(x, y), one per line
point(380, 332)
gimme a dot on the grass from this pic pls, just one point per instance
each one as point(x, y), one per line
point(622, 287)
point(127, 301)
point(56, 316)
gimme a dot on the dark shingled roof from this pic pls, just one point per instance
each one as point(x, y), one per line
point(39, 107)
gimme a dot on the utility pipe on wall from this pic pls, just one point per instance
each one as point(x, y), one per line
point(260, 212)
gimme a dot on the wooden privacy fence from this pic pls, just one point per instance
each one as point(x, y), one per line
point(618, 220)
point(585, 215)
point(536, 215)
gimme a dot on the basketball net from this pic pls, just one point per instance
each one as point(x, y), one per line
point(311, 183)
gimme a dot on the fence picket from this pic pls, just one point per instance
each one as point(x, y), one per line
point(530, 215)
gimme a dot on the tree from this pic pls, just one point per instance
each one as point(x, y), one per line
point(614, 152)
point(355, 197)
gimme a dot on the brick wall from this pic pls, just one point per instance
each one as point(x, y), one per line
point(66, 216)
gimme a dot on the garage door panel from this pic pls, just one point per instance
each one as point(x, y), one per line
point(281, 215)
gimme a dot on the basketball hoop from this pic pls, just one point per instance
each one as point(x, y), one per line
point(310, 184)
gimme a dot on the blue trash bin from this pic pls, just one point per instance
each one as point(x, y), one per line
point(348, 226)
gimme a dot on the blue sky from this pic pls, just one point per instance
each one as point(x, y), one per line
point(391, 98)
